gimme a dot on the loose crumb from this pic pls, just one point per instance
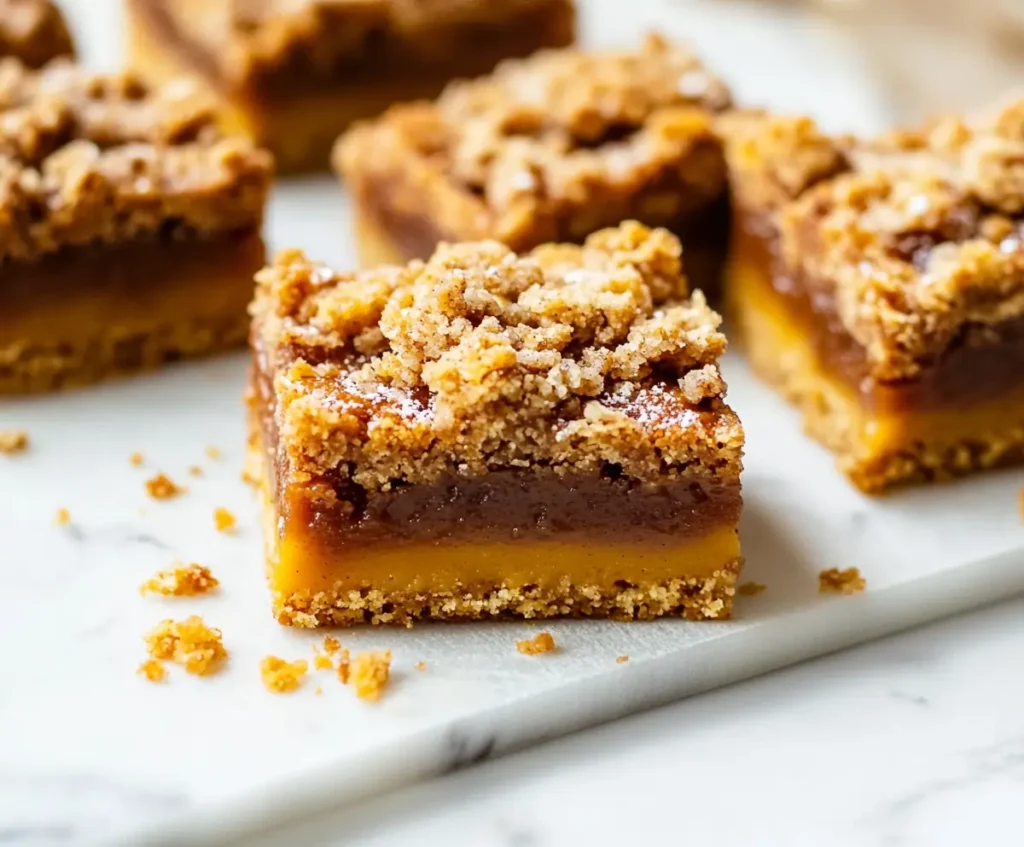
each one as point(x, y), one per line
point(195, 470)
point(63, 517)
point(213, 452)
point(322, 662)
point(542, 642)
point(421, 666)
point(189, 642)
point(181, 581)
point(281, 676)
point(344, 666)
point(13, 441)
point(835, 581)
point(153, 670)
point(136, 459)
point(621, 660)
point(750, 589)
point(161, 487)
point(331, 645)
point(370, 673)
point(224, 520)
point(319, 691)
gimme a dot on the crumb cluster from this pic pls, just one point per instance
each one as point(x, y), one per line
point(190, 643)
point(181, 581)
point(369, 674)
point(33, 31)
point(153, 670)
point(280, 675)
point(162, 487)
point(574, 357)
point(13, 441)
point(835, 581)
point(542, 642)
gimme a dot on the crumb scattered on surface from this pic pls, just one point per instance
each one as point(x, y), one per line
point(318, 691)
point(421, 666)
point(189, 642)
point(621, 660)
point(162, 487)
point(181, 581)
point(153, 670)
point(370, 673)
point(63, 517)
point(136, 459)
point(835, 581)
point(213, 452)
point(750, 589)
point(344, 666)
point(195, 470)
point(13, 441)
point(224, 520)
point(542, 642)
point(331, 645)
point(322, 662)
point(280, 675)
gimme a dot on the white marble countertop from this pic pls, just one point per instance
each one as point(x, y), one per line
point(913, 740)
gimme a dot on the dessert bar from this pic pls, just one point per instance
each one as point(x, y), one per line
point(880, 285)
point(33, 31)
point(293, 74)
point(550, 148)
point(129, 226)
point(487, 435)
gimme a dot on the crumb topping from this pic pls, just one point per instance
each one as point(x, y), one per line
point(551, 147)
point(181, 581)
point(13, 441)
point(152, 670)
point(835, 581)
point(331, 645)
point(571, 357)
point(370, 673)
point(542, 642)
point(88, 158)
point(190, 643)
point(33, 31)
point(162, 487)
point(224, 520)
point(282, 676)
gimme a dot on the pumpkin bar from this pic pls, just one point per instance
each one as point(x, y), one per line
point(486, 435)
point(129, 226)
point(293, 74)
point(550, 148)
point(880, 285)
point(33, 31)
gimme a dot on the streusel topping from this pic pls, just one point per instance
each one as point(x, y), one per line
point(102, 158)
point(33, 31)
point(552, 147)
point(571, 357)
point(922, 242)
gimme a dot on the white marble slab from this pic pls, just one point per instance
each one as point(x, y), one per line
point(87, 749)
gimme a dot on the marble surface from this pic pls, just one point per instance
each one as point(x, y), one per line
point(89, 751)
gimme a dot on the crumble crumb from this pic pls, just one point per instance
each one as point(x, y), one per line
point(542, 642)
point(135, 459)
point(421, 666)
point(750, 589)
point(161, 487)
point(213, 452)
point(331, 645)
point(13, 441)
point(189, 642)
point(281, 676)
point(153, 670)
point(344, 666)
point(224, 520)
point(621, 660)
point(195, 471)
point(322, 662)
point(181, 581)
point(370, 673)
point(835, 581)
point(63, 517)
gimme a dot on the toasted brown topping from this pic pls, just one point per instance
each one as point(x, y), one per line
point(13, 441)
point(224, 520)
point(162, 487)
point(370, 673)
point(551, 147)
point(88, 158)
point(281, 676)
point(181, 581)
point(542, 642)
point(750, 589)
point(835, 581)
point(153, 670)
point(571, 357)
point(33, 31)
point(189, 642)
point(63, 517)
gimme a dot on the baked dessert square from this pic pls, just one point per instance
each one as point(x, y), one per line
point(550, 148)
point(488, 435)
point(293, 74)
point(33, 31)
point(880, 285)
point(129, 226)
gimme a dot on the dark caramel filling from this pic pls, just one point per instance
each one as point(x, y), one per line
point(975, 369)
